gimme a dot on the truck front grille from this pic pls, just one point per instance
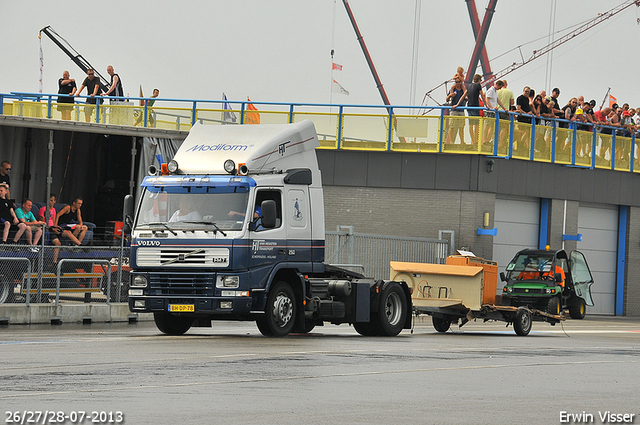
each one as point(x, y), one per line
point(181, 257)
point(187, 284)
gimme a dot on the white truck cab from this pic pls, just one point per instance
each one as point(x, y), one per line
point(233, 228)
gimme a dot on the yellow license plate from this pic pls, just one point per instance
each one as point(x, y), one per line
point(178, 308)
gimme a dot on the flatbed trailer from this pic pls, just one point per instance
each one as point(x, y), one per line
point(464, 291)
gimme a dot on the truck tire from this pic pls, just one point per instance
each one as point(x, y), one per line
point(522, 324)
point(553, 306)
point(172, 324)
point(578, 309)
point(304, 327)
point(365, 328)
point(6, 292)
point(280, 313)
point(392, 312)
point(440, 324)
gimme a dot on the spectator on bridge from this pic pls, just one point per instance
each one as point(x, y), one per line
point(139, 114)
point(492, 103)
point(555, 93)
point(507, 100)
point(459, 74)
point(116, 84)
point(475, 95)
point(457, 96)
point(34, 227)
point(54, 231)
point(8, 217)
point(66, 86)
point(92, 83)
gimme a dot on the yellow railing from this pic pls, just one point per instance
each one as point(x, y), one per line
point(377, 129)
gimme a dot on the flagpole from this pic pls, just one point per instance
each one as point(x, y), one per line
point(605, 97)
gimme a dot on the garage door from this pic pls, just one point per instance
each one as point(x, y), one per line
point(518, 224)
point(598, 225)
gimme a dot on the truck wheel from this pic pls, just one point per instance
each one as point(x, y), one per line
point(280, 313)
point(522, 324)
point(577, 310)
point(6, 292)
point(393, 310)
point(365, 328)
point(440, 324)
point(304, 327)
point(171, 324)
point(553, 306)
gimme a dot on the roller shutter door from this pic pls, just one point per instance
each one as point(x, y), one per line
point(518, 224)
point(598, 225)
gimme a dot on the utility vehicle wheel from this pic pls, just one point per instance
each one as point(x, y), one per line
point(440, 324)
point(578, 309)
point(392, 312)
point(522, 324)
point(280, 313)
point(553, 306)
point(365, 328)
point(172, 324)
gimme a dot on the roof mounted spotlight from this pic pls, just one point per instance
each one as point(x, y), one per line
point(229, 166)
point(172, 166)
point(243, 170)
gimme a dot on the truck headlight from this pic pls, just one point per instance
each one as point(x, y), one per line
point(228, 281)
point(229, 166)
point(139, 281)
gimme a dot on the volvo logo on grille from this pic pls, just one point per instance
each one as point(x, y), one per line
point(149, 243)
point(180, 257)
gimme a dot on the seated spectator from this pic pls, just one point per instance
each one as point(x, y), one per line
point(34, 227)
point(69, 222)
point(8, 217)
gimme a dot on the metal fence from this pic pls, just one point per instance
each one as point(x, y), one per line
point(371, 254)
point(63, 274)
point(101, 274)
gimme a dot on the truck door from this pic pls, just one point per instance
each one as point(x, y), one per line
point(582, 279)
point(298, 224)
point(268, 246)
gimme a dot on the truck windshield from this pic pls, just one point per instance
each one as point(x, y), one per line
point(193, 207)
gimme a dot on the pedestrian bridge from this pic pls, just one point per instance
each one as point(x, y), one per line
point(362, 127)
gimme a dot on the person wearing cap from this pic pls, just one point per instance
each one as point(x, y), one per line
point(555, 93)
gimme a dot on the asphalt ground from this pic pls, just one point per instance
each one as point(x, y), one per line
point(230, 373)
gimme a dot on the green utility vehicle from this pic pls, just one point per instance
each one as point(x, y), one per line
point(549, 281)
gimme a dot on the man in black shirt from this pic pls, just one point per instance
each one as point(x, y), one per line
point(92, 83)
point(8, 217)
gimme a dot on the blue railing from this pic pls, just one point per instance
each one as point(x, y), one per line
point(371, 127)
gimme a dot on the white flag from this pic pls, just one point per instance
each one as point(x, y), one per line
point(228, 115)
point(41, 65)
point(337, 88)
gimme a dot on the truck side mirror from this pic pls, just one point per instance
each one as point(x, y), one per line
point(268, 214)
point(127, 214)
point(503, 277)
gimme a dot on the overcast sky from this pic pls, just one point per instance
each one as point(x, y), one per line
point(279, 50)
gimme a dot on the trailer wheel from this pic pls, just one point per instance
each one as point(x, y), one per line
point(553, 306)
point(280, 313)
point(440, 324)
point(393, 310)
point(578, 309)
point(522, 324)
point(172, 324)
